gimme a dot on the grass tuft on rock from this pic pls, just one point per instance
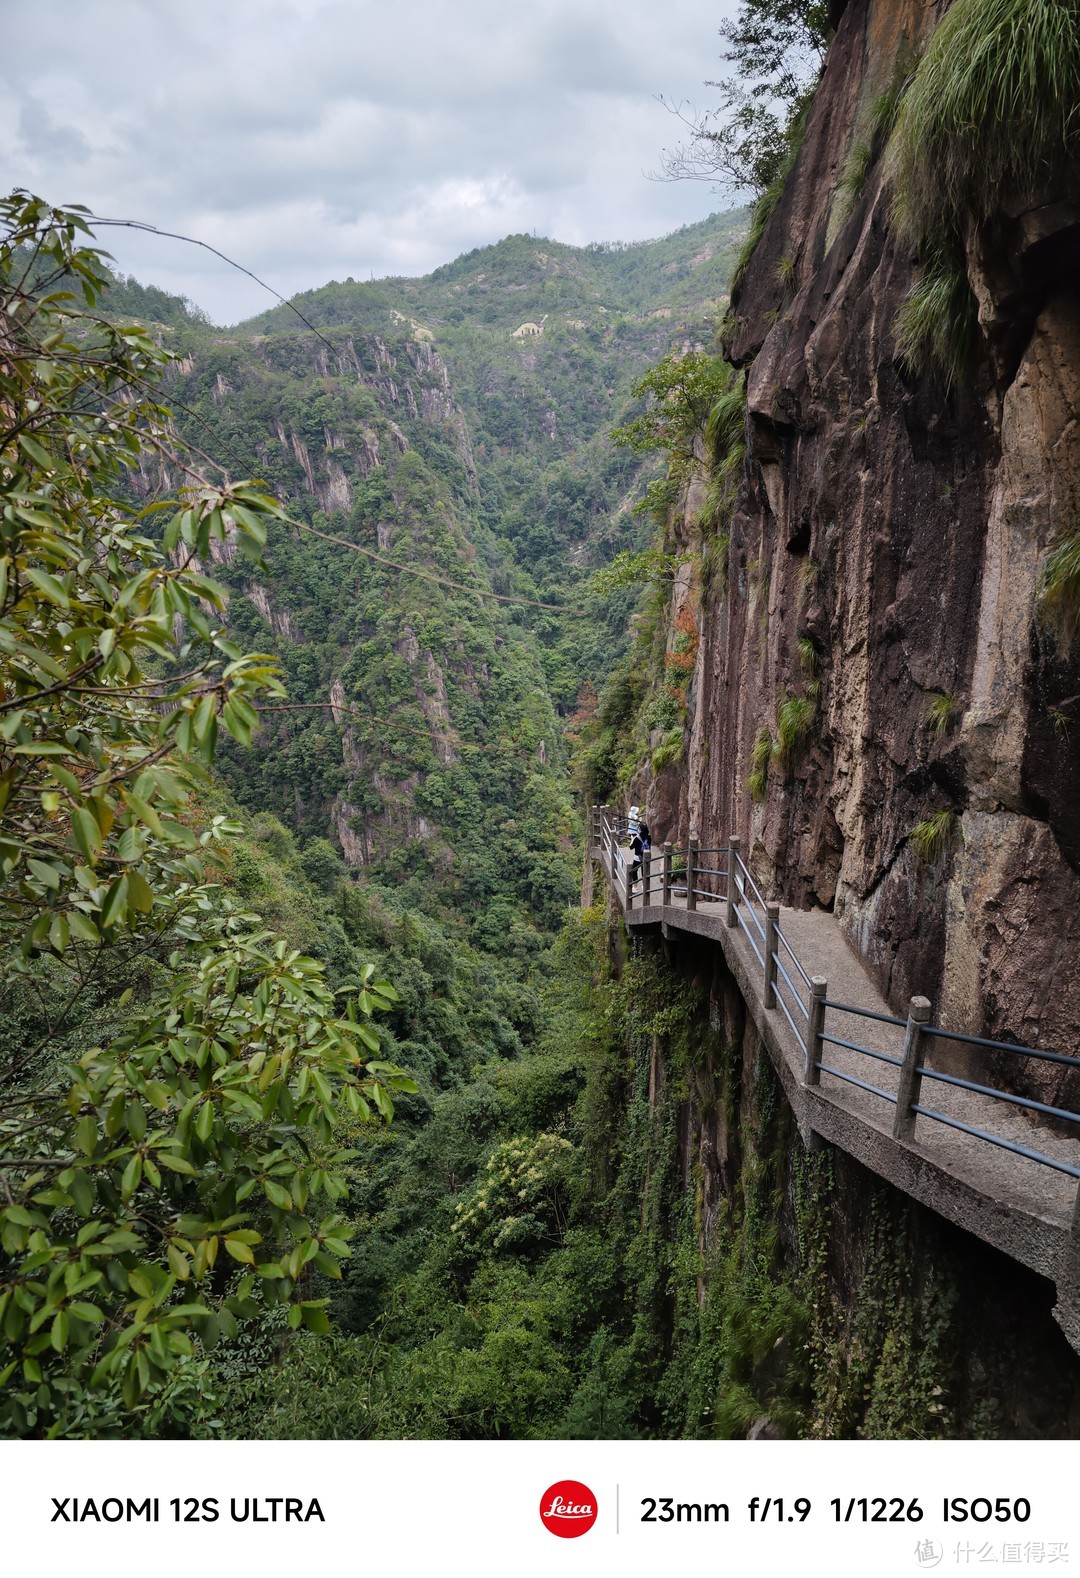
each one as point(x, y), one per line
point(760, 752)
point(992, 107)
point(932, 837)
point(936, 324)
point(941, 710)
point(1061, 587)
point(794, 717)
point(725, 427)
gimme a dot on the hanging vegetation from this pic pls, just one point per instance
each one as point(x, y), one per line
point(1006, 67)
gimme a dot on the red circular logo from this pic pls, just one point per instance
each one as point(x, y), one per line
point(568, 1509)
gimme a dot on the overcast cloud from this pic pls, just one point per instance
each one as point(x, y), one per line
point(314, 141)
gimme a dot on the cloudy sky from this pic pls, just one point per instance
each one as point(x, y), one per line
point(317, 139)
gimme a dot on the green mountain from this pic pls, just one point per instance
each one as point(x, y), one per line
point(457, 426)
point(442, 451)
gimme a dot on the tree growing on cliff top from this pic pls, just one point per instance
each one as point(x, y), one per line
point(206, 1135)
point(776, 49)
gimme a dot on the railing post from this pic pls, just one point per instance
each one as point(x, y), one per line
point(691, 870)
point(818, 993)
point(772, 916)
point(646, 878)
point(628, 886)
point(665, 874)
point(730, 917)
point(908, 1090)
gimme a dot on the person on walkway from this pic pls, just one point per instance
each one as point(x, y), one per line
point(641, 845)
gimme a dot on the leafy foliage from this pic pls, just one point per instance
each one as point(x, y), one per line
point(97, 692)
point(766, 203)
point(556, 1284)
point(208, 1124)
point(683, 390)
point(634, 569)
point(776, 50)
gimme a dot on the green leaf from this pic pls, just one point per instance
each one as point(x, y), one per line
point(114, 1115)
point(176, 1164)
point(239, 1251)
point(86, 1133)
point(67, 780)
point(38, 453)
point(145, 813)
point(204, 712)
point(87, 1312)
point(131, 845)
point(50, 875)
point(131, 1179)
point(115, 906)
point(48, 586)
point(82, 1193)
point(86, 832)
point(58, 1336)
point(140, 896)
point(83, 927)
point(277, 1195)
point(179, 1262)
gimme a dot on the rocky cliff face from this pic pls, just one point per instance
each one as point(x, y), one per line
point(887, 552)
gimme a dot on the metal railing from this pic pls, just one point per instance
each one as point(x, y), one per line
point(686, 879)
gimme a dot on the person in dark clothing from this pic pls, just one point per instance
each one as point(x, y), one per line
point(640, 845)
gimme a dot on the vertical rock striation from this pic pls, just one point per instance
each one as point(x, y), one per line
point(890, 539)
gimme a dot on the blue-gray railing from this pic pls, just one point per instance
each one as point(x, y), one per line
point(700, 876)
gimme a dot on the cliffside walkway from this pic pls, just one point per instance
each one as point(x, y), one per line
point(918, 1104)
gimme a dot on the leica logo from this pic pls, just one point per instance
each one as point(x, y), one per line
point(568, 1509)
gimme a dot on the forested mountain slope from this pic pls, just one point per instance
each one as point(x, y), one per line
point(404, 810)
point(417, 424)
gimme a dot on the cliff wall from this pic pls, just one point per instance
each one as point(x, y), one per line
point(887, 551)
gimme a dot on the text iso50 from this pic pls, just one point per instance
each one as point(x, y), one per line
point(980, 1509)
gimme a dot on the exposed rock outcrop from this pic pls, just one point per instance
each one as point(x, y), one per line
point(898, 534)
